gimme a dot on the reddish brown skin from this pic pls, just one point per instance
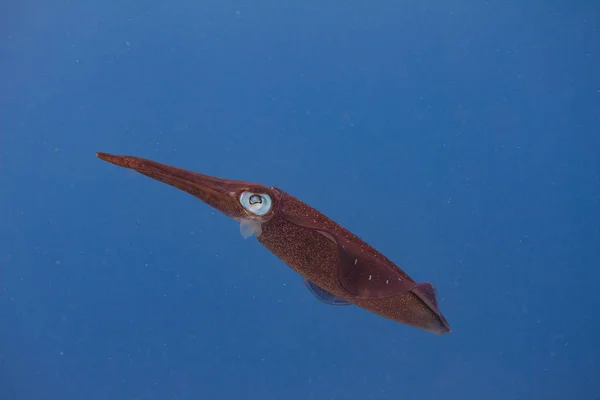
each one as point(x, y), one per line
point(310, 253)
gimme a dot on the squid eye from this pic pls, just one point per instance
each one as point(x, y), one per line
point(258, 204)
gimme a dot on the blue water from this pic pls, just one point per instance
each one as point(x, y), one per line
point(460, 139)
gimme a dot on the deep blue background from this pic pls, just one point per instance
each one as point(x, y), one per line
point(460, 139)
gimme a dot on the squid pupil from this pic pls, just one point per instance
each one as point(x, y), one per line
point(255, 199)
